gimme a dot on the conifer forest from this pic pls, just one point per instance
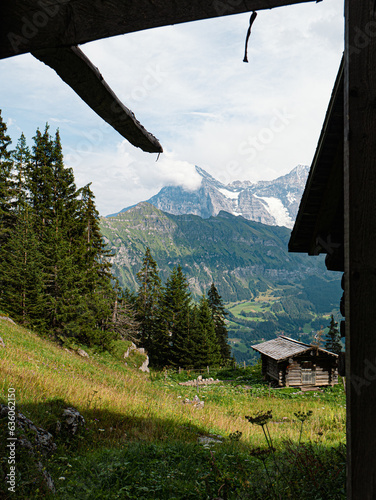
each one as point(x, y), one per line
point(55, 270)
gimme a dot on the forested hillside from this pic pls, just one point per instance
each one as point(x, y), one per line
point(54, 269)
point(242, 257)
point(56, 276)
point(266, 289)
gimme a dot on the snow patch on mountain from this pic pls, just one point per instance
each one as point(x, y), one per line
point(291, 198)
point(232, 195)
point(278, 211)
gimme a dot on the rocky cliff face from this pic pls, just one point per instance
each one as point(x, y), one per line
point(273, 202)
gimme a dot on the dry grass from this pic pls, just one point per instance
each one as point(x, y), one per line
point(129, 405)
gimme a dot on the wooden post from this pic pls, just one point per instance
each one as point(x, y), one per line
point(360, 246)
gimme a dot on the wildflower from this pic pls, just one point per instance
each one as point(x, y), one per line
point(302, 416)
point(62, 478)
point(260, 418)
point(235, 436)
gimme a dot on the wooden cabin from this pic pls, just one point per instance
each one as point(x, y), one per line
point(294, 364)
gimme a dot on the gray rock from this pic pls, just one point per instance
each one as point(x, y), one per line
point(7, 319)
point(38, 441)
point(72, 420)
point(208, 440)
point(131, 348)
point(195, 402)
point(47, 477)
point(145, 365)
point(43, 440)
point(200, 381)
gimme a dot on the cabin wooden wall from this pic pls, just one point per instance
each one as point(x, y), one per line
point(272, 369)
point(289, 373)
point(293, 375)
point(326, 372)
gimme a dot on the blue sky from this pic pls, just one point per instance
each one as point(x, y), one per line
point(188, 85)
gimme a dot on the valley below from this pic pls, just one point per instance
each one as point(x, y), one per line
point(266, 290)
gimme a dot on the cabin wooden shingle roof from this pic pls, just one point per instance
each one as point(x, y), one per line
point(283, 347)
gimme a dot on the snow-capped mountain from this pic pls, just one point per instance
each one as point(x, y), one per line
point(274, 203)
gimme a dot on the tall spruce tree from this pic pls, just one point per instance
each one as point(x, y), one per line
point(219, 318)
point(21, 261)
point(147, 306)
point(6, 183)
point(95, 286)
point(53, 197)
point(175, 312)
point(206, 350)
point(20, 256)
point(333, 338)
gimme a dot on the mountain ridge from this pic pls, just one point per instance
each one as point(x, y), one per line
point(239, 255)
point(274, 202)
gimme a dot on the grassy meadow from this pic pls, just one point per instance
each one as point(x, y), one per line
point(140, 441)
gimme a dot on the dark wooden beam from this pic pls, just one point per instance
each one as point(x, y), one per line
point(360, 246)
point(30, 25)
point(76, 70)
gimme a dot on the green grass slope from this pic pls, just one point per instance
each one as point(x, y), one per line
point(141, 442)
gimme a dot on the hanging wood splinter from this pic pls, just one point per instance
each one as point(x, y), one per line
point(253, 17)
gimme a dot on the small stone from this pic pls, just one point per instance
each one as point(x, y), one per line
point(144, 367)
point(83, 353)
point(129, 350)
point(72, 420)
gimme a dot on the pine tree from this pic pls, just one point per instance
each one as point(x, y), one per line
point(175, 312)
point(219, 316)
point(53, 197)
point(206, 350)
point(21, 166)
point(19, 257)
point(20, 267)
point(333, 338)
point(96, 286)
point(147, 306)
point(6, 184)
